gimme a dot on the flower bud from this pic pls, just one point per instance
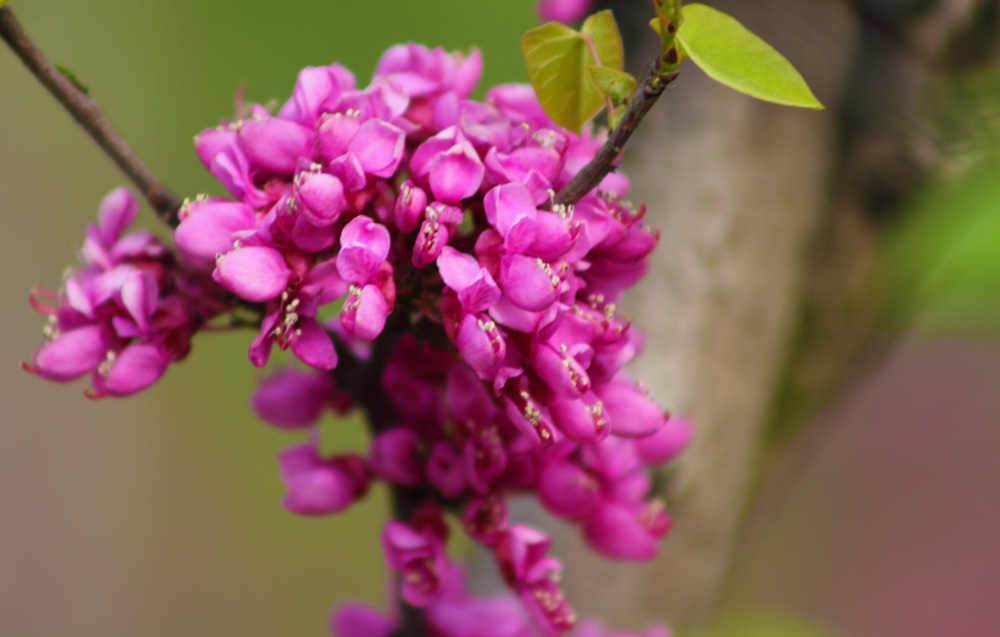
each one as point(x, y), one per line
point(255, 273)
point(410, 207)
point(274, 144)
point(320, 196)
point(566, 490)
point(456, 173)
point(378, 146)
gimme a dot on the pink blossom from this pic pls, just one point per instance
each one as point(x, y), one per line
point(417, 553)
point(317, 486)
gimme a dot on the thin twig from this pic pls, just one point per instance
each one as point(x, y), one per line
point(604, 161)
point(89, 115)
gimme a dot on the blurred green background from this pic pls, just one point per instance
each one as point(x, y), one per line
point(160, 514)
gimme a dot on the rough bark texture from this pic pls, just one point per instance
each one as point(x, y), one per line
point(738, 196)
point(762, 294)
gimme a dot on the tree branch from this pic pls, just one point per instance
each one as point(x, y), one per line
point(604, 161)
point(89, 115)
point(363, 380)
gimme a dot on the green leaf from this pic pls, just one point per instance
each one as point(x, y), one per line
point(619, 86)
point(557, 57)
point(71, 76)
point(734, 56)
point(607, 39)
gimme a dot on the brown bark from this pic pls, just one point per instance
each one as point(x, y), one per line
point(737, 189)
point(763, 295)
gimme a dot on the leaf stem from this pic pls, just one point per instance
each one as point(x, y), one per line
point(88, 114)
point(604, 161)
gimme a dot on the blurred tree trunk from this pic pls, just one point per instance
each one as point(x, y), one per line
point(762, 294)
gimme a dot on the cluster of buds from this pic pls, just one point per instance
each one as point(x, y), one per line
point(126, 313)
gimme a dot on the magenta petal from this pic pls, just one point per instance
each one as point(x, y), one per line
point(117, 212)
point(309, 237)
point(445, 470)
point(418, 555)
point(320, 196)
point(333, 135)
point(348, 170)
point(363, 232)
point(467, 397)
point(207, 230)
point(393, 457)
point(364, 246)
point(512, 210)
point(410, 207)
point(581, 419)
point(312, 88)
point(425, 154)
point(457, 269)
point(134, 368)
point(553, 238)
point(255, 273)
point(467, 74)
point(357, 263)
point(212, 141)
point(456, 173)
point(291, 398)
point(318, 89)
point(275, 144)
point(72, 354)
point(314, 487)
point(140, 296)
point(480, 343)
point(566, 11)
point(626, 531)
point(667, 442)
point(313, 345)
point(318, 492)
point(323, 283)
point(431, 241)
point(566, 490)
point(372, 313)
point(232, 168)
point(481, 295)
point(528, 283)
point(560, 371)
point(461, 272)
point(633, 413)
point(378, 146)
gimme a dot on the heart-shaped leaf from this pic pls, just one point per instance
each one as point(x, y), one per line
point(557, 57)
point(603, 30)
point(732, 55)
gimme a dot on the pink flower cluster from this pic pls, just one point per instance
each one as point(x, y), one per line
point(406, 196)
point(126, 314)
point(408, 199)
